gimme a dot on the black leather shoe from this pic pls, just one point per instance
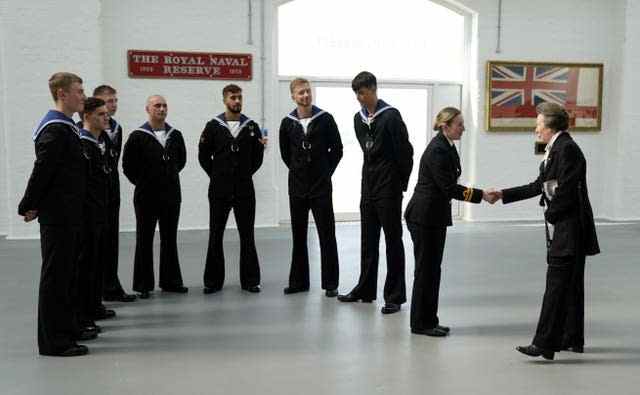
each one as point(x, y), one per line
point(535, 351)
point(433, 332)
point(576, 349)
point(92, 328)
point(445, 329)
point(210, 290)
point(331, 293)
point(87, 335)
point(103, 314)
point(180, 289)
point(144, 295)
point(253, 289)
point(123, 297)
point(295, 290)
point(390, 308)
point(351, 297)
point(73, 351)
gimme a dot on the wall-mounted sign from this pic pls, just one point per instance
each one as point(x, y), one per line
point(191, 65)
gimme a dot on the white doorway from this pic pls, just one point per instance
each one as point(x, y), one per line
point(417, 102)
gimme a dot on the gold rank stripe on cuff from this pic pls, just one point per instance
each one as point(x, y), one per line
point(468, 194)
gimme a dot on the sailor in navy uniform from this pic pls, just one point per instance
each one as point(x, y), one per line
point(55, 195)
point(311, 148)
point(113, 290)
point(92, 259)
point(387, 165)
point(428, 215)
point(152, 159)
point(562, 185)
point(230, 152)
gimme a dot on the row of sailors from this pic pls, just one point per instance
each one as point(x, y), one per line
point(80, 249)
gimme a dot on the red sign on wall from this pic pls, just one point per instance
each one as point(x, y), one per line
point(192, 65)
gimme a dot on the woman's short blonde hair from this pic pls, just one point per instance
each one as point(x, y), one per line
point(445, 117)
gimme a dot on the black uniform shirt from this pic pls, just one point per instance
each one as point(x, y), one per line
point(56, 188)
point(388, 154)
point(153, 168)
point(96, 153)
point(230, 161)
point(311, 157)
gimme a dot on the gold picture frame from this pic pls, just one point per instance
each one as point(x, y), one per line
point(513, 89)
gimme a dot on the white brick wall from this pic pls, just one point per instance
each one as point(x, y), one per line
point(41, 37)
point(4, 196)
point(94, 39)
point(625, 191)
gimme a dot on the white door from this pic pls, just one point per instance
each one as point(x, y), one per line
point(413, 100)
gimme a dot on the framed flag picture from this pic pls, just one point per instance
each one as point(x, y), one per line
point(514, 89)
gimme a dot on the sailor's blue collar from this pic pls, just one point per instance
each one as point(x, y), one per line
point(113, 124)
point(315, 112)
point(86, 135)
point(147, 127)
point(381, 106)
point(54, 116)
point(222, 120)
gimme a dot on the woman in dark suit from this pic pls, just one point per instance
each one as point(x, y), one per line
point(562, 184)
point(428, 215)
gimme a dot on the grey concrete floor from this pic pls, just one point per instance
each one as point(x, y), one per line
point(240, 343)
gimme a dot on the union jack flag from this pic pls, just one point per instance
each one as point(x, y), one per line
point(516, 90)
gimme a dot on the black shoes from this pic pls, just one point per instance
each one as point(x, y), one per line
point(331, 293)
point(210, 290)
point(178, 289)
point(103, 314)
point(444, 329)
point(87, 335)
point(576, 349)
point(73, 351)
point(295, 290)
point(535, 351)
point(253, 289)
point(351, 297)
point(390, 308)
point(144, 295)
point(92, 328)
point(123, 297)
point(433, 332)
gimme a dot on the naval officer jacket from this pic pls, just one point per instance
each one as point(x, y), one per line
point(437, 184)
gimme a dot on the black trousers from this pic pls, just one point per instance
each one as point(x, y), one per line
point(244, 211)
point(574, 325)
point(385, 214)
point(149, 214)
point(428, 248)
point(112, 285)
point(57, 321)
point(91, 264)
point(322, 210)
point(558, 297)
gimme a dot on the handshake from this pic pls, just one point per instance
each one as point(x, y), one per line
point(491, 195)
